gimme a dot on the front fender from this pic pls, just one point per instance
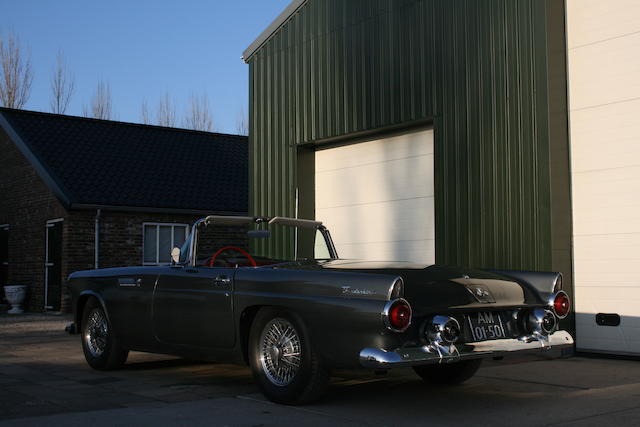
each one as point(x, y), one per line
point(78, 307)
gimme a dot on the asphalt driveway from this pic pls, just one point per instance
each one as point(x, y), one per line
point(44, 380)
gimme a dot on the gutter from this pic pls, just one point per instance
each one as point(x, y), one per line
point(143, 209)
point(96, 254)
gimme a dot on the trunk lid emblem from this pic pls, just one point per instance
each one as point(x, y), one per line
point(481, 293)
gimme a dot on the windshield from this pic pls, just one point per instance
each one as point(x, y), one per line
point(255, 244)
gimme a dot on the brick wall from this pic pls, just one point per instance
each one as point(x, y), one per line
point(26, 204)
point(121, 239)
point(121, 235)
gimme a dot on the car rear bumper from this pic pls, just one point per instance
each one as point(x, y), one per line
point(71, 329)
point(430, 354)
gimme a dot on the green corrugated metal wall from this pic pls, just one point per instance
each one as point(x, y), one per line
point(476, 67)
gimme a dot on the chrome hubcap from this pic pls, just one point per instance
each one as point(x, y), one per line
point(95, 336)
point(280, 351)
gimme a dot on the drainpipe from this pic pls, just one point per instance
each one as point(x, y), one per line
point(97, 239)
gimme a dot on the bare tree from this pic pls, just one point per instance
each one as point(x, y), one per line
point(242, 127)
point(62, 86)
point(144, 113)
point(15, 65)
point(198, 116)
point(100, 106)
point(166, 115)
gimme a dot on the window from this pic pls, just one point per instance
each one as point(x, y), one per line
point(321, 250)
point(159, 239)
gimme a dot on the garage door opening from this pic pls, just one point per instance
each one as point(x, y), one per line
point(377, 198)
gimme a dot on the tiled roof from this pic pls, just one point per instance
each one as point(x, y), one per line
point(107, 163)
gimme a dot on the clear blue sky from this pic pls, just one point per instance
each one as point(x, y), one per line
point(143, 48)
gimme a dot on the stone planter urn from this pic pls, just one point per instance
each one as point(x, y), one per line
point(15, 294)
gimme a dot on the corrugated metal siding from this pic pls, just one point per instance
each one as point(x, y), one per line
point(478, 68)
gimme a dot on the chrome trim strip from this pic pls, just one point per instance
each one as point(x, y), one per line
point(129, 282)
point(376, 358)
point(557, 283)
point(191, 259)
point(397, 281)
point(333, 253)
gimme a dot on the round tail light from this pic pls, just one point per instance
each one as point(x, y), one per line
point(397, 315)
point(561, 304)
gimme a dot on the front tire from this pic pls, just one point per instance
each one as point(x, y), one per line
point(286, 367)
point(450, 373)
point(99, 343)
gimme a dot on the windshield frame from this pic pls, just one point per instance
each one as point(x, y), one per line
point(192, 239)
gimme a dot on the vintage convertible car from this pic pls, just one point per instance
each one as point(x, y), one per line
point(292, 320)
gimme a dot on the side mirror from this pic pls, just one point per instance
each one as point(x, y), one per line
point(175, 256)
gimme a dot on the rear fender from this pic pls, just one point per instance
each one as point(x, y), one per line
point(545, 284)
point(339, 327)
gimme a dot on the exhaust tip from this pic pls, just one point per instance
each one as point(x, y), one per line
point(543, 322)
point(442, 330)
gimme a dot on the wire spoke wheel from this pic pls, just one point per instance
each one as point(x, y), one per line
point(280, 351)
point(96, 333)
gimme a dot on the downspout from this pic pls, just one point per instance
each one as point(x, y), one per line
point(96, 254)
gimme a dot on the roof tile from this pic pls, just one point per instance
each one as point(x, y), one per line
point(111, 163)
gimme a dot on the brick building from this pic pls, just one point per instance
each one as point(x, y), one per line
point(78, 193)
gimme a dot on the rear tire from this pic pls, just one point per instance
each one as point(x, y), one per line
point(99, 343)
point(284, 363)
point(449, 373)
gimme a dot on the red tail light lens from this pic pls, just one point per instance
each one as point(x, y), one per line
point(561, 304)
point(397, 315)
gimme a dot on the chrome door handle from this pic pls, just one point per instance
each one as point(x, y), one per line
point(222, 280)
point(129, 282)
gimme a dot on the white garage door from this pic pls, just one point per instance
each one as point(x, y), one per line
point(376, 198)
point(604, 80)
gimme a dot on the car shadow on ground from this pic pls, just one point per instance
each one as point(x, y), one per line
point(161, 364)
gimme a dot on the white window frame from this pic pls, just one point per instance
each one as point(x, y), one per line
point(50, 223)
point(173, 225)
point(5, 227)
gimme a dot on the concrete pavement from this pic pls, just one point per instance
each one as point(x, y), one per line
point(44, 380)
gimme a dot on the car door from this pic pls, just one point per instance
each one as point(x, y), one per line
point(129, 300)
point(194, 306)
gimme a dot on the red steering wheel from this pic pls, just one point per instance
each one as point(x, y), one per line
point(226, 248)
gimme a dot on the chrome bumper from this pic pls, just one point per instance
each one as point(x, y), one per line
point(71, 329)
point(429, 354)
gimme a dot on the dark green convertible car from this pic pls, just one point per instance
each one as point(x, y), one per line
point(292, 320)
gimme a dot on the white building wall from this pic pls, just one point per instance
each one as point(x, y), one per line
point(603, 39)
